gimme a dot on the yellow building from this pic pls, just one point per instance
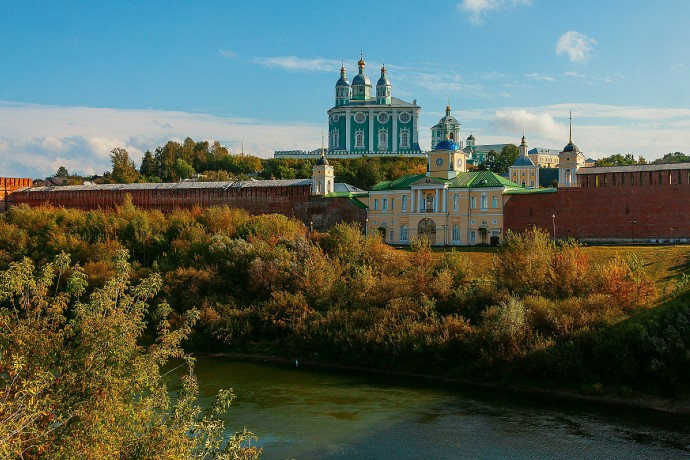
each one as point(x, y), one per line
point(523, 171)
point(447, 205)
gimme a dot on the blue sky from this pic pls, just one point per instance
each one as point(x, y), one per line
point(80, 78)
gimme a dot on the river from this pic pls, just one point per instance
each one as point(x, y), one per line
point(306, 414)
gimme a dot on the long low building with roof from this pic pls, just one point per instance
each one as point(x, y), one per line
point(297, 198)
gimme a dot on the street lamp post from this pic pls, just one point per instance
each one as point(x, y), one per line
point(632, 230)
point(553, 218)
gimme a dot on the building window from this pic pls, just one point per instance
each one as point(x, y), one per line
point(392, 204)
point(335, 139)
point(360, 117)
point(456, 202)
point(494, 202)
point(392, 235)
point(455, 234)
point(384, 206)
point(404, 203)
point(376, 205)
point(404, 117)
point(473, 236)
point(404, 139)
point(429, 203)
point(473, 202)
point(403, 233)
point(359, 139)
point(383, 117)
point(485, 202)
point(383, 139)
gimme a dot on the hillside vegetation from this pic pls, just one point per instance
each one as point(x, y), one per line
point(567, 315)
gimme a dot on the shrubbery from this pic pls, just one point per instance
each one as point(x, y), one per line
point(267, 284)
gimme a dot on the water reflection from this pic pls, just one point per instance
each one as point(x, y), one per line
point(303, 414)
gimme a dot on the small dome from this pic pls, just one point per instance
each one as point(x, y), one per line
point(342, 81)
point(383, 81)
point(361, 79)
point(523, 161)
point(470, 138)
point(571, 148)
point(447, 144)
point(322, 161)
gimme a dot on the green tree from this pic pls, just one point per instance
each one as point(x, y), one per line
point(183, 170)
point(62, 172)
point(617, 160)
point(76, 383)
point(675, 157)
point(506, 158)
point(124, 171)
point(148, 168)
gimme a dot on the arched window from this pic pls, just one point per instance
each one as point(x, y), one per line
point(383, 139)
point(404, 139)
point(429, 203)
point(455, 234)
point(404, 203)
point(451, 136)
point(456, 202)
point(359, 139)
point(335, 139)
point(403, 233)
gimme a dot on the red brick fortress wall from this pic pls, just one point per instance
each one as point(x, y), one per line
point(660, 212)
point(290, 198)
point(9, 185)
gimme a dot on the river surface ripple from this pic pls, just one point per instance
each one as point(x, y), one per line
point(305, 414)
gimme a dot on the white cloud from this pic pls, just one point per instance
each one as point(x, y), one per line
point(520, 120)
point(229, 54)
point(539, 77)
point(295, 64)
point(478, 8)
point(598, 129)
point(577, 46)
point(38, 139)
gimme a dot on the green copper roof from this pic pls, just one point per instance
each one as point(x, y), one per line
point(400, 183)
point(475, 179)
point(529, 191)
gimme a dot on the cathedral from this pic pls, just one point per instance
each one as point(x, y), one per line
point(364, 124)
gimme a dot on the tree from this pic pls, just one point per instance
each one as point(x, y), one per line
point(77, 383)
point(675, 157)
point(617, 160)
point(124, 171)
point(183, 170)
point(148, 168)
point(62, 172)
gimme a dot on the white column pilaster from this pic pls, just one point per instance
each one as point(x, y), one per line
point(348, 134)
point(394, 114)
point(371, 130)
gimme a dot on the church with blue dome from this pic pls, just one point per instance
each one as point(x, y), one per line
point(362, 123)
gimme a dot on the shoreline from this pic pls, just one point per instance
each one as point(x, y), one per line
point(680, 406)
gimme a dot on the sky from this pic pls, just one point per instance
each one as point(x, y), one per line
point(78, 79)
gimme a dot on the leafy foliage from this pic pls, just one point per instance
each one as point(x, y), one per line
point(266, 284)
point(75, 381)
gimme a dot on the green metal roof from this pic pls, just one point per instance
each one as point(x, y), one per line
point(400, 183)
point(474, 179)
point(528, 191)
